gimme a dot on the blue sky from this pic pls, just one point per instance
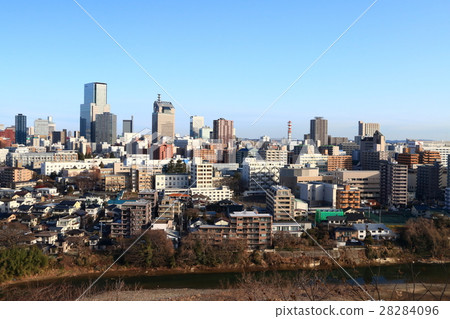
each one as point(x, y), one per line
point(231, 59)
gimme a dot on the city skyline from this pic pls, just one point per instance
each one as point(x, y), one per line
point(376, 73)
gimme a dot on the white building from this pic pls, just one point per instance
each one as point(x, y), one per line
point(377, 231)
point(163, 181)
point(215, 194)
point(201, 174)
point(318, 193)
point(312, 160)
point(259, 174)
point(295, 229)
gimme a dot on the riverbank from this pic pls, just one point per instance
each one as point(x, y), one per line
point(392, 292)
point(123, 272)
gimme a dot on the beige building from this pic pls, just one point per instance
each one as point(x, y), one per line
point(348, 197)
point(339, 162)
point(163, 120)
point(393, 183)
point(368, 182)
point(280, 203)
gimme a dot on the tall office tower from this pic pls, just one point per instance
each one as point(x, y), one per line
point(95, 102)
point(127, 126)
point(163, 120)
point(393, 183)
point(367, 129)
point(319, 131)
point(197, 122)
point(223, 130)
point(429, 182)
point(106, 128)
point(44, 127)
point(21, 129)
point(374, 143)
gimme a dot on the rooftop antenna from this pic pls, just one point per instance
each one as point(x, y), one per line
point(159, 97)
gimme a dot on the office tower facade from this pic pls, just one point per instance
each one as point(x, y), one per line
point(95, 102)
point(223, 131)
point(367, 129)
point(206, 132)
point(374, 143)
point(21, 129)
point(127, 126)
point(319, 131)
point(106, 128)
point(44, 127)
point(59, 137)
point(197, 122)
point(429, 182)
point(163, 120)
point(393, 183)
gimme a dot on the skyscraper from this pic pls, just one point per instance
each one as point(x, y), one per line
point(127, 126)
point(105, 128)
point(163, 119)
point(367, 129)
point(21, 129)
point(319, 131)
point(44, 127)
point(95, 102)
point(197, 122)
point(223, 130)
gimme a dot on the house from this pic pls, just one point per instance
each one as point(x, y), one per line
point(293, 228)
point(30, 220)
point(24, 209)
point(46, 237)
point(344, 234)
point(7, 217)
point(93, 210)
point(46, 191)
point(377, 231)
point(67, 223)
point(195, 224)
point(8, 205)
point(335, 220)
point(354, 218)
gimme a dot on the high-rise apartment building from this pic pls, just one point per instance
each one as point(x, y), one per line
point(127, 126)
point(95, 102)
point(223, 130)
point(393, 183)
point(201, 174)
point(105, 128)
point(197, 122)
point(319, 131)
point(163, 120)
point(367, 129)
point(21, 129)
point(429, 182)
point(280, 203)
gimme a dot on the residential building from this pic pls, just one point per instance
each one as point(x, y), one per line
point(135, 217)
point(280, 203)
point(255, 228)
point(410, 159)
point(430, 182)
point(259, 175)
point(293, 228)
point(223, 131)
point(348, 197)
point(201, 174)
point(318, 193)
point(370, 160)
point(376, 231)
point(163, 181)
point(343, 162)
point(11, 176)
point(393, 183)
point(368, 182)
point(429, 157)
point(319, 131)
point(214, 194)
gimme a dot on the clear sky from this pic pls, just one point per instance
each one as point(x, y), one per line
point(231, 59)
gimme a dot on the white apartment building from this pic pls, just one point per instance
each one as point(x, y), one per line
point(215, 194)
point(201, 174)
point(163, 181)
point(257, 174)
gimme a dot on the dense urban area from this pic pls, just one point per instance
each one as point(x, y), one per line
point(75, 201)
